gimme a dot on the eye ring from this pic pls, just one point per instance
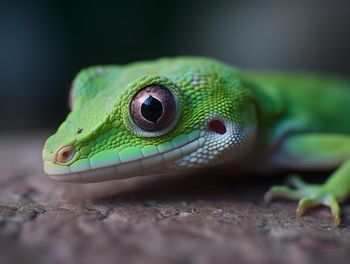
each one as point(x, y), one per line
point(65, 154)
point(153, 108)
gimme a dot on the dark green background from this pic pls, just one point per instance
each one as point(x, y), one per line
point(44, 43)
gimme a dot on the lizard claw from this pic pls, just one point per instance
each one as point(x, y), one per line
point(280, 191)
point(304, 204)
point(309, 196)
point(333, 204)
point(337, 219)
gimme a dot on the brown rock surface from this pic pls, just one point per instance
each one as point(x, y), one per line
point(197, 219)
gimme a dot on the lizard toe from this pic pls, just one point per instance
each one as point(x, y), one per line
point(280, 191)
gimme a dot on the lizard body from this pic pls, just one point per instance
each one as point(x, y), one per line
point(187, 112)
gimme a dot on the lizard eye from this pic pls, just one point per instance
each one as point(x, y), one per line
point(153, 108)
point(65, 154)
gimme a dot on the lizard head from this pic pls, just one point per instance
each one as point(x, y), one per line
point(149, 118)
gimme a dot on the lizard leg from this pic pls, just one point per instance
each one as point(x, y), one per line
point(317, 151)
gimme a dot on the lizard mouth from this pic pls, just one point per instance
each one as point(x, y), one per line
point(117, 169)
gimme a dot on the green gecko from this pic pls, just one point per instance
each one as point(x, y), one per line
point(178, 114)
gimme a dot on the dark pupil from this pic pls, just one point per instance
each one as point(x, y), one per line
point(152, 109)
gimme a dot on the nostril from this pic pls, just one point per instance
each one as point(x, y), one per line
point(65, 154)
point(217, 126)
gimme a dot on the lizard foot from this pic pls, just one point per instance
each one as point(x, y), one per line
point(309, 196)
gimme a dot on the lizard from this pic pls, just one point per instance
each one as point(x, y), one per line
point(185, 113)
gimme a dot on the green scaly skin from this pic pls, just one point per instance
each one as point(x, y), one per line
point(280, 121)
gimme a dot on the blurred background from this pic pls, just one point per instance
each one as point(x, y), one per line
point(43, 44)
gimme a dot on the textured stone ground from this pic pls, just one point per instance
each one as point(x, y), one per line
point(197, 219)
